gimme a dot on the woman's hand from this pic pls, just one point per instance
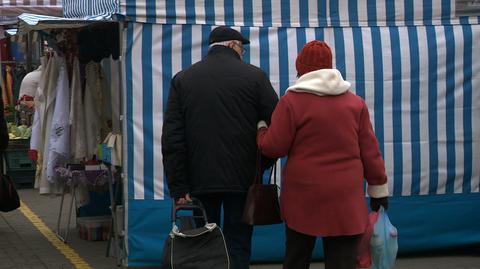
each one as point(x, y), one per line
point(262, 124)
point(375, 203)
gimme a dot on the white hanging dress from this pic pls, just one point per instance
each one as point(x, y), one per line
point(93, 107)
point(59, 140)
point(50, 92)
point(77, 117)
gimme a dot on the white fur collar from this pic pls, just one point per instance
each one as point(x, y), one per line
point(321, 82)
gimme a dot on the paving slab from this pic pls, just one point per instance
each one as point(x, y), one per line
point(23, 246)
point(15, 250)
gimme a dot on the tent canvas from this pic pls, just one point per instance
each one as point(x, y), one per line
point(415, 65)
point(34, 22)
point(12, 9)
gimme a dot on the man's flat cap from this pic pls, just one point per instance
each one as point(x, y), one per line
point(224, 33)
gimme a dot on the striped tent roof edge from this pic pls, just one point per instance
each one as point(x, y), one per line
point(31, 3)
point(79, 9)
point(293, 13)
point(29, 22)
point(44, 7)
point(11, 31)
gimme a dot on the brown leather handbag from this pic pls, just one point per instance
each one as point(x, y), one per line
point(262, 206)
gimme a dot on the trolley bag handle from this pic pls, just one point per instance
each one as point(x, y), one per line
point(195, 204)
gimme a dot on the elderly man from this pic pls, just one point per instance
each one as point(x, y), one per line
point(209, 131)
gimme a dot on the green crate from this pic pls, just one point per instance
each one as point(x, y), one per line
point(22, 179)
point(15, 144)
point(18, 160)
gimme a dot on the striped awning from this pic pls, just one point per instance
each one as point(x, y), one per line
point(420, 83)
point(30, 22)
point(11, 31)
point(13, 8)
point(415, 63)
point(293, 13)
point(80, 9)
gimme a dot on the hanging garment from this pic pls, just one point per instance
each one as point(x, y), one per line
point(114, 139)
point(38, 172)
point(30, 82)
point(9, 84)
point(50, 93)
point(36, 140)
point(98, 42)
point(5, 49)
point(106, 78)
point(77, 116)
point(116, 94)
point(94, 88)
point(114, 143)
point(59, 139)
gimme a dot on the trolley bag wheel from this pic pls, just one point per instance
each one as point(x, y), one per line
point(195, 248)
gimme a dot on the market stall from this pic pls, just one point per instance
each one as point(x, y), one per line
point(415, 65)
point(18, 56)
point(76, 132)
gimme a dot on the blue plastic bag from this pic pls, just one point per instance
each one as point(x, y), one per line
point(384, 243)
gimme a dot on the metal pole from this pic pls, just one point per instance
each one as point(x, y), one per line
point(72, 194)
point(29, 51)
point(113, 206)
point(58, 232)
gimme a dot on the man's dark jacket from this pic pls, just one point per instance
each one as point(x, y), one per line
point(209, 129)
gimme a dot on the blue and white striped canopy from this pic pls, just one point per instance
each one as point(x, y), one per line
point(292, 13)
point(84, 8)
point(414, 62)
point(418, 82)
point(16, 7)
point(29, 22)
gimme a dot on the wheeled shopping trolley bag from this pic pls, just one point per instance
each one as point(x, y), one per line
point(191, 247)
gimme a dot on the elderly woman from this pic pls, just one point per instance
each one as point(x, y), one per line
point(325, 131)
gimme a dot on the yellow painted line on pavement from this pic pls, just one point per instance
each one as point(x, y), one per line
point(66, 250)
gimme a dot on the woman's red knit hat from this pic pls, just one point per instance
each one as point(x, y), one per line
point(314, 55)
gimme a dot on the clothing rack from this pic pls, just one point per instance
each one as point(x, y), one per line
point(114, 189)
point(66, 187)
point(114, 234)
point(63, 237)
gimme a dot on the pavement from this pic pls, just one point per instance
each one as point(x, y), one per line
point(27, 240)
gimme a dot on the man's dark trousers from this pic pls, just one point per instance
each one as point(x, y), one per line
point(238, 235)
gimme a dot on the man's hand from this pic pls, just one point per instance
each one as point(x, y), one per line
point(184, 200)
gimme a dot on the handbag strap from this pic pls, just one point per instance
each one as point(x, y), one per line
point(273, 171)
point(1, 162)
point(258, 170)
